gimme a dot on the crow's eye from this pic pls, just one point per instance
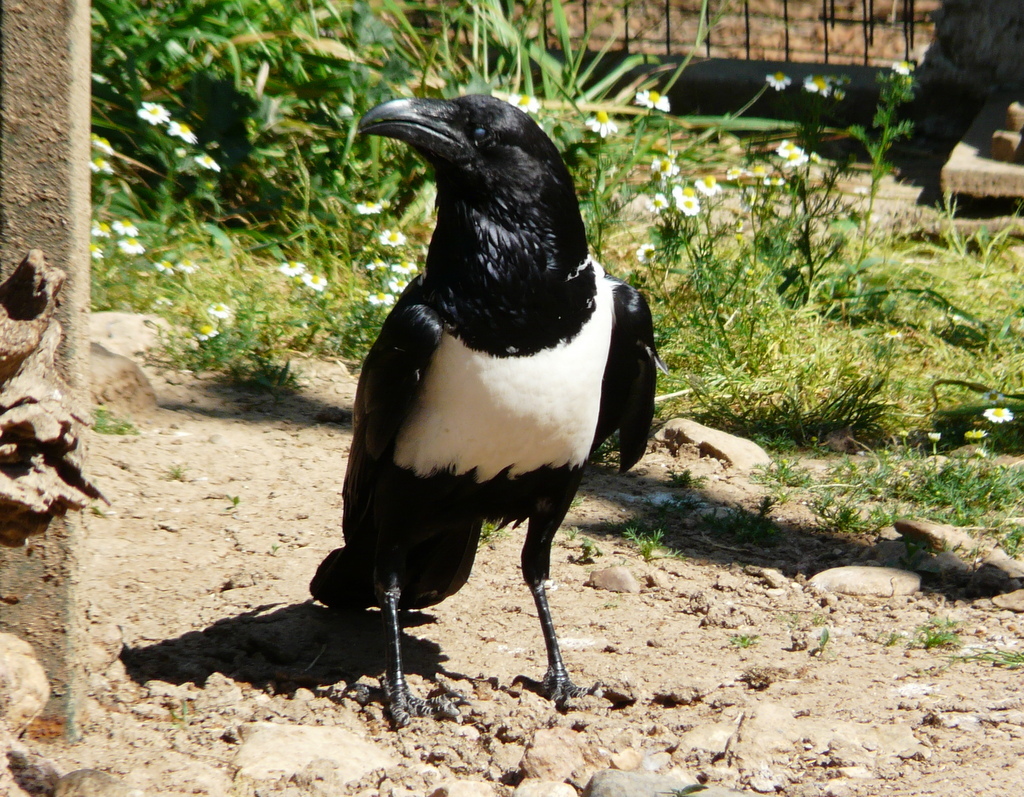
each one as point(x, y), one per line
point(479, 135)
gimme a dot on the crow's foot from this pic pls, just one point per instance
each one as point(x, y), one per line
point(403, 706)
point(558, 688)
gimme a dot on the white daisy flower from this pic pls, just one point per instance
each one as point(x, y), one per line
point(96, 251)
point(207, 332)
point(818, 84)
point(125, 228)
point(182, 131)
point(101, 144)
point(903, 68)
point(657, 203)
point(208, 163)
point(131, 246)
point(392, 238)
point(381, 299)
point(665, 168)
point(100, 166)
point(397, 285)
point(644, 252)
point(524, 102)
point(652, 100)
point(791, 154)
point(154, 113)
point(375, 264)
point(186, 266)
point(292, 268)
point(686, 200)
point(164, 266)
point(406, 268)
point(935, 436)
point(893, 334)
point(369, 208)
point(779, 80)
point(100, 229)
point(219, 310)
point(315, 282)
point(162, 301)
point(998, 415)
point(708, 186)
point(602, 124)
point(736, 173)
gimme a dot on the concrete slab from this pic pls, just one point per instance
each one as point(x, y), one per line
point(971, 170)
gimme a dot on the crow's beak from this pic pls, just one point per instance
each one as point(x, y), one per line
point(425, 124)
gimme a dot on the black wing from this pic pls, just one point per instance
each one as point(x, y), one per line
point(388, 386)
point(627, 391)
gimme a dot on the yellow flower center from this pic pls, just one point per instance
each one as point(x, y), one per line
point(602, 117)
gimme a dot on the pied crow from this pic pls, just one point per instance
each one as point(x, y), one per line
point(497, 373)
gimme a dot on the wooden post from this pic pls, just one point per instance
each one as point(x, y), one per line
point(45, 204)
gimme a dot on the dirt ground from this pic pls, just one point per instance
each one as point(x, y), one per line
point(195, 584)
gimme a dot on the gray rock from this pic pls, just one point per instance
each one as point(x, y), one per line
point(614, 579)
point(613, 783)
point(1014, 601)
point(544, 788)
point(271, 750)
point(881, 582)
point(118, 382)
point(90, 783)
point(24, 688)
point(553, 754)
point(734, 452)
point(937, 536)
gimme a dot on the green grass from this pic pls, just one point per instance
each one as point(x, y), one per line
point(937, 633)
point(743, 641)
point(1011, 659)
point(105, 422)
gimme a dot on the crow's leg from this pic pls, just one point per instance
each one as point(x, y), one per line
point(402, 704)
point(536, 562)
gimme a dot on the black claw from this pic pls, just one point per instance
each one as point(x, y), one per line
point(559, 689)
point(403, 706)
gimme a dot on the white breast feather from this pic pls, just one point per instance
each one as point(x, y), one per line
point(492, 413)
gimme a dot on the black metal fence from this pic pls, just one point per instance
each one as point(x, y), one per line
point(872, 32)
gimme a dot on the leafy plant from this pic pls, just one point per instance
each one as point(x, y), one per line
point(937, 633)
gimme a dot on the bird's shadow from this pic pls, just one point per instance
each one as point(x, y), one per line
point(285, 646)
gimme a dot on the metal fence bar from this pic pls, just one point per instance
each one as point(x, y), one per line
point(751, 29)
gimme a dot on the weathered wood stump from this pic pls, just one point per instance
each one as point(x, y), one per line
point(40, 422)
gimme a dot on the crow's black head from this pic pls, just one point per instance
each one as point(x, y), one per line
point(509, 232)
point(478, 145)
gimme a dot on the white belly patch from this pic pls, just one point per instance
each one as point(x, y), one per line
point(477, 411)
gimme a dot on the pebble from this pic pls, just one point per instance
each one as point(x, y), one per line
point(464, 788)
point(270, 750)
point(544, 788)
point(553, 754)
point(860, 580)
point(614, 579)
point(92, 783)
point(734, 452)
point(1014, 601)
point(938, 537)
point(613, 783)
point(24, 688)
